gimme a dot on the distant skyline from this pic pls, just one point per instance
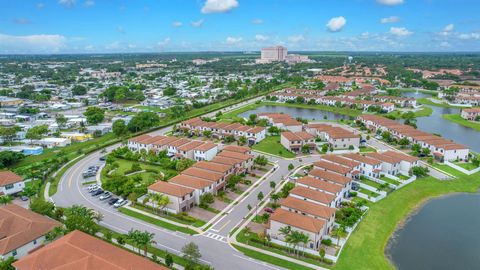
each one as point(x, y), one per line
point(115, 26)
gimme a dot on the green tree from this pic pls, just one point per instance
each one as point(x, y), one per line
point(6, 264)
point(81, 218)
point(119, 128)
point(169, 91)
point(169, 260)
point(5, 199)
point(290, 167)
point(94, 115)
point(143, 121)
point(42, 207)
point(339, 232)
point(183, 164)
point(36, 132)
point(61, 120)
point(191, 252)
point(273, 130)
point(261, 160)
point(79, 90)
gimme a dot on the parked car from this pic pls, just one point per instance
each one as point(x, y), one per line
point(98, 192)
point(105, 196)
point(24, 198)
point(92, 187)
point(120, 202)
point(268, 210)
point(103, 158)
point(112, 201)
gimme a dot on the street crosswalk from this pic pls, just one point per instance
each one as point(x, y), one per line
point(215, 236)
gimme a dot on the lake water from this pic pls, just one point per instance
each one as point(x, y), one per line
point(436, 124)
point(442, 235)
point(309, 114)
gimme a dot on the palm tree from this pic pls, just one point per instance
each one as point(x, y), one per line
point(285, 231)
point(6, 199)
point(294, 238)
point(304, 239)
point(132, 235)
point(339, 232)
point(145, 239)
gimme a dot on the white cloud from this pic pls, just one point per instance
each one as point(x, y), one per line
point(390, 2)
point(198, 23)
point(469, 36)
point(89, 48)
point(445, 44)
point(177, 24)
point(233, 40)
point(336, 24)
point(219, 6)
point(113, 46)
point(32, 43)
point(67, 3)
point(22, 21)
point(164, 42)
point(89, 3)
point(449, 28)
point(260, 38)
point(257, 21)
point(40, 5)
point(400, 31)
point(131, 46)
point(391, 19)
point(296, 38)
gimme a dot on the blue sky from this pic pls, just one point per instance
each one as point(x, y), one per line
point(109, 26)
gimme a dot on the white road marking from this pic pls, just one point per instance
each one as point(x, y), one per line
point(256, 261)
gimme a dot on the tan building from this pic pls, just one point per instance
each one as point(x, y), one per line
point(296, 141)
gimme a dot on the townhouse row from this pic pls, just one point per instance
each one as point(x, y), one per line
point(471, 114)
point(174, 146)
point(337, 137)
point(442, 149)
point(282, 121)
point(221, 130)
point(185, 190)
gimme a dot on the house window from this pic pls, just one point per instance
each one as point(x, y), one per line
point(14, 252)
point(35, 241)
point(9, 186)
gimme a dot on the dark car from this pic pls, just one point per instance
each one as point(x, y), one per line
point(103, 158)
point(98, 192)
point(268, 210)
point(112, 201)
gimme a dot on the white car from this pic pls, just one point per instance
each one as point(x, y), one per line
point(93, 187)
point(105, 196)
point(119, 203)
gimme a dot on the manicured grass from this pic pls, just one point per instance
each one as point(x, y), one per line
point(194, 222)
point(448, 169)
point(456, 118)
point(272, 145)
point(157, 222)
point(424, 111)
point(366, 246)
point(367, 149)
point(269, 259)
point(368, 193)
point(467, 166)
point(403, 177)
point(426, 101)
point(391, 181)
point(126, 165)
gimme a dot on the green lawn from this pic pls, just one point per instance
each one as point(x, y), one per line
point(365, 149)
point(157, 222)
point(426, 101)
point(448, 169)
point(424, 111)
point(366, 247)
point(272, 145)
point(269, 259)
point(389, 180)
point(456, 118)
point(467, 166)
point(403, 177)
point(368, 193)
point(125, 166)
point(177, 218)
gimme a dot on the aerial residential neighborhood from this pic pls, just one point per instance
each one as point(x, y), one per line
point(239, 134)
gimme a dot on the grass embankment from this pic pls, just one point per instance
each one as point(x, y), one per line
point(272, 145)
point(157, 222)
point(365, 248)
point(424, 111)
point(147, 172)
point(269, 259)
point(457, 119)
point(441, 103)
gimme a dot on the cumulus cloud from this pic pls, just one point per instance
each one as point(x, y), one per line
point(449, 28)
point(164, 42)
point(219, 6)
point(400, 31)
point(445, 44)
point(390, 2)
point(257, 21)
point(198, 23)
point(233, 40)
point(391, 19)
point(469, 36)
point(40, 5)
point(67, 3)
point(296, 38)
point(32, 43)
point(89, 3)
point(177, 24)
point(260, 38)
point(89, 48)
point(121, 30)
point(336, 24)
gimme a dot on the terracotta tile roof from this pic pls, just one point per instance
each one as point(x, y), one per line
point(235, 155)
point(179, 142)
point(329, 166)
point(256, 130)
point(19, 226)
point(384, 158)
point(205, 147)
point(313, 195)
point(190, 181)
point(165, 141)
point(153, 139)
point(170, 189)
point(226, 161)
point(8, 177)
point(238, 149)
point(80, 251)
point(212, 166)
point(313, 209)
point(190, 146)
point(204, 174)
point(298, 220)
point(341, 160)
point(319, 184)
point(401, 156)
point(330, 176)
point(297, 136)
point(140, 138)
point(362, 159)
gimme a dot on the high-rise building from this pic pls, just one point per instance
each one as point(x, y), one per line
point(273, 54)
